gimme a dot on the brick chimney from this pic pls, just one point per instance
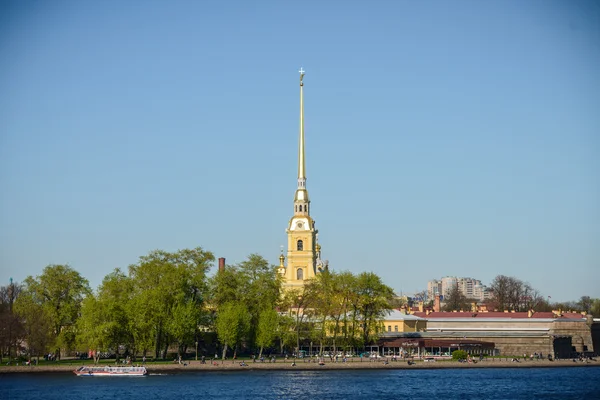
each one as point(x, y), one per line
point(436, 303)
point(221, 264)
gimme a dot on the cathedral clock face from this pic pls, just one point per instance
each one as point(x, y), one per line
point(299, 224)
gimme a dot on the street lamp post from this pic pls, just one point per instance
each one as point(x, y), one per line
point(196, 350)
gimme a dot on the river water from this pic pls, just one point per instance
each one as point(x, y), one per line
point(448, 384)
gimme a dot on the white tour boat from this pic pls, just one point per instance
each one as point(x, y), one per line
point(110, 371)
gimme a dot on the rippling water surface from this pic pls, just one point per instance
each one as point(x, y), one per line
point(484, 383)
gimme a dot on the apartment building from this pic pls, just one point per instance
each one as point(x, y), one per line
point(469, 287)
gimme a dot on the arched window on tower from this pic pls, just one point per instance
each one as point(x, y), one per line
point(299, 245)
point(299, 274)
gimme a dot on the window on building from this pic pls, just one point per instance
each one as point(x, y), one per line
point(299, 245)
point(299, 274)
point(396, 328)
point(389, 328)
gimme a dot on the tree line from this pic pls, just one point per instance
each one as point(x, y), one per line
point(168, 302)
point(512, 294)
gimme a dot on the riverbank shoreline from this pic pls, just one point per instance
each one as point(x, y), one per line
point(228, 365)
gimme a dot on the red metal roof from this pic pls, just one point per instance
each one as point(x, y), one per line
point(496, 314)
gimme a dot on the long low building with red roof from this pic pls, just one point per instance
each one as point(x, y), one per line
point(559, 334)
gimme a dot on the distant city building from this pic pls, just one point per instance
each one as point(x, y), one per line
point(434, 288)
point(469, 287)
point(448, 283)
point(465, 285)
point(481, 292)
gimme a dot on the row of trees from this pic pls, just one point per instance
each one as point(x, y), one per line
point(334, 309)
point(168, 301)
point(512, 294)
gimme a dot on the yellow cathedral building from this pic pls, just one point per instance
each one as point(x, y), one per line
point(303, 251)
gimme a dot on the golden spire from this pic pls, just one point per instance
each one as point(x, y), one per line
point(301, 168)
point(301, 201)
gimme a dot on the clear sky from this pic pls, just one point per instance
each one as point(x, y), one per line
point(443, 138)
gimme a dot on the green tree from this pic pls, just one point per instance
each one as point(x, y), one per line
point(294, 325)
point(585, 303)
point(226, 285)
point(260, 290)
point(459, 355)
point(338, 309)
point(320, 292)
point(252, 282)
point(163, 283)
point(349, 317)
point(371, 304)
point(104, 323)
point(60, 290)
point(142, 324)
point(595, 308)
point(267, 329)
point(330, 308)
point(232, 324)
point(183, 324)
point(12, 325)
point(92, 335)
point(285, 331)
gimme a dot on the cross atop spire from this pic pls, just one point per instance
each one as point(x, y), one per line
point(301, 71)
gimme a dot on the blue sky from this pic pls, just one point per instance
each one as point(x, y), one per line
point(443, 138)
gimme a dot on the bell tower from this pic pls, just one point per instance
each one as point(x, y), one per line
point(302, 247)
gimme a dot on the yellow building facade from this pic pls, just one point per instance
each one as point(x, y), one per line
point(303, 251)
point(400, 322)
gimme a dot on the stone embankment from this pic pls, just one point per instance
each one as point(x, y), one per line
point(229, 365)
